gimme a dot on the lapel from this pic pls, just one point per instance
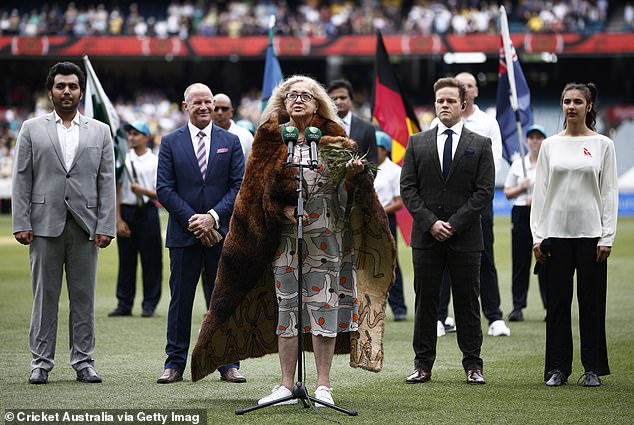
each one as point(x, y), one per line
point(83, 139)
point(51, 129)
point(187, 147)
point(463, 143)
point(431, 143)
point(214, 144)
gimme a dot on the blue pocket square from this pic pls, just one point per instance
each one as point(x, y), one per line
point(468, 152)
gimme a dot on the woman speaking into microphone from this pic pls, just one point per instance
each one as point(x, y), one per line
point(348, 251)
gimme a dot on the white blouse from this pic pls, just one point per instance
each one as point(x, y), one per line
point(576, 193)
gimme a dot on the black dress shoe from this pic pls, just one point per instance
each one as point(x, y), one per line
point(170, 376)
point(233, 375)
point(589, 379)
point(419, 376)
point(556, 379)
point(88, 376)
point(475, 377)
point(516, 316)
point(38, 376)
point(119, 312)
point(147, 313)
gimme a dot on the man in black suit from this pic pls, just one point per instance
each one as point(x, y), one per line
point(448, 177)
point(358, 130)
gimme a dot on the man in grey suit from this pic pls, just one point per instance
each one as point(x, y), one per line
point(340, 91)
point(64, 209)
point(448, 177)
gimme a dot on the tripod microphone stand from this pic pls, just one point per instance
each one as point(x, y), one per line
point(299, 392)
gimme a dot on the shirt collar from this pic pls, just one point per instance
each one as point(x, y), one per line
point(472, 117)
point(347, 120)
point(195, 130)
point(58, 119)
point(457, 128)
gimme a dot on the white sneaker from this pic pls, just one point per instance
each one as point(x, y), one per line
point(450, 325)
point(499, 328)
point(440, 329)
point(323, 393)
point(279, 391)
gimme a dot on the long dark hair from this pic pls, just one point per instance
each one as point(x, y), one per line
point(590, 91)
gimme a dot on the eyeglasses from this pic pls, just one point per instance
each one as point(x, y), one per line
point(304, 97)
point(221, 108)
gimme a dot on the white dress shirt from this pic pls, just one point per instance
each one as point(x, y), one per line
point(441, 138)
point(576, 192)
point(485, 125)
point(347, 122)
point(387, 183)
point(245, 136)
point(144, 167)
point(68, 138)
point(193, 130)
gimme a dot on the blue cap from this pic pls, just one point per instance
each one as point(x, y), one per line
point(538, 128)
point(383, 140)
point(140, 126)
point(246, 124)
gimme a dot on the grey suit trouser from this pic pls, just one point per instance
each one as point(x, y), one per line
point(74, 253)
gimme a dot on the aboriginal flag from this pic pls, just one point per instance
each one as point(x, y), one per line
point(395, 115)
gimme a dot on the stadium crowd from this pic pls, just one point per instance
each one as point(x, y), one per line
point(304, 18)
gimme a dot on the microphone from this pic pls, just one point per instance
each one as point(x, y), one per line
point(312, 135)
point(290, 135)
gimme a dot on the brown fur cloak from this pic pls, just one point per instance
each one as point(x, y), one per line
point(242, 315)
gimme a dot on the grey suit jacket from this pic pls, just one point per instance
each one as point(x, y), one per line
point(457, 200)
point(44, 191)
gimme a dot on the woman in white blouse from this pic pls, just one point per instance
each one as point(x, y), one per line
point(573, 222)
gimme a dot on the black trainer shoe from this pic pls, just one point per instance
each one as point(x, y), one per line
point(556, 379)
point(589, 379)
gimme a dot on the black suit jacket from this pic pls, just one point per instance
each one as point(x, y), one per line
point(363, 133)
point(458, 200)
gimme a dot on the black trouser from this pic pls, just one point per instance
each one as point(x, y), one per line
point(145, 241)
point(396, 298)
point(489, 288)
point(566, 256)
point(464, 268)
point(522, 252)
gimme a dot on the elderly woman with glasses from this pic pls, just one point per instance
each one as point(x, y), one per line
point(348, 252)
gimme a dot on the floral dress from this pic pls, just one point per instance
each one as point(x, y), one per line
point(329, 291)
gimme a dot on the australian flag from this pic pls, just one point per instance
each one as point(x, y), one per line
point(506, 117)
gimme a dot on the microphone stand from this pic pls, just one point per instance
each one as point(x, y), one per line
point(299, 392)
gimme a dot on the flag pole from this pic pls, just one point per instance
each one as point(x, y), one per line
point(508, 56)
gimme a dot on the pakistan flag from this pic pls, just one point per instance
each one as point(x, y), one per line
point(98, 106)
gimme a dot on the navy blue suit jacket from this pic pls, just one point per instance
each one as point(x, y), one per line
point(180, 186)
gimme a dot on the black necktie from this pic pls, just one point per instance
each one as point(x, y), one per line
point(446, 156)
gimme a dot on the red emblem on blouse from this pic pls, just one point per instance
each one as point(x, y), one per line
point(586, 152)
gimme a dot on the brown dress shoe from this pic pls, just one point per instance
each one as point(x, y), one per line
point(170, 376)
point(233, 375)
point(419, 376)
point(475, 377)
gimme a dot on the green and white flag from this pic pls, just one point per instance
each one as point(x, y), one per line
point(98, 106)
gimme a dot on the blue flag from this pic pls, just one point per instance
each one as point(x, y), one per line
point(505, 114)
point(272, 75)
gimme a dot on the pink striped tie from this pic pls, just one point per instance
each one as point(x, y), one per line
point(201, 154)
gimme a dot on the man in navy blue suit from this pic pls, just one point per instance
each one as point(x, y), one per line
point(199, 174)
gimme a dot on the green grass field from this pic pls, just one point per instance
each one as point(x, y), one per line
point(130, 355)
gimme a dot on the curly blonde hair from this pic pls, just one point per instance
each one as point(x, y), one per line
point(325, 106)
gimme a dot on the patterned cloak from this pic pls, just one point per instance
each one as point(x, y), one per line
point(242, 316)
